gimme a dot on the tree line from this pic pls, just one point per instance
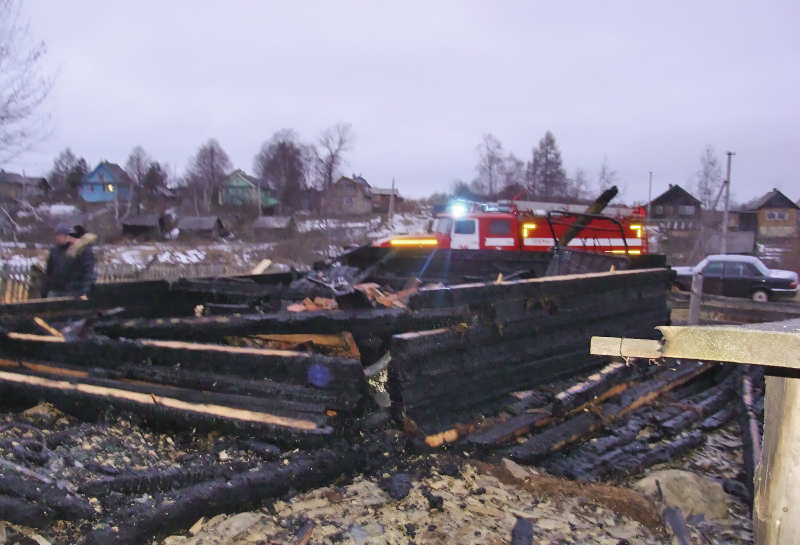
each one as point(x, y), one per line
point(501, 175)
point(284, 165)
point(504, 175)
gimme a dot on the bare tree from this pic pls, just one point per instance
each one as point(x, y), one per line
point(490, 165)
point(709, 178)
point(281, 166)
point(513, 173)
point(62, 165)
point(579, 185)
point(206, 172)
point(76, 174)
point(334, 142)
point(137, 166)
point(607, 177)
point(23, 87)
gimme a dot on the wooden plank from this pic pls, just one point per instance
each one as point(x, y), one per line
point(178, 345)
point(149, 399)
point(44, 325)
point(31, 337)
point(625, 348)
point(774, 344)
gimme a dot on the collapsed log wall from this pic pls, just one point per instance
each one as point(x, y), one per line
point(526, 333)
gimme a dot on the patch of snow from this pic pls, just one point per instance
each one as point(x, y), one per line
point(58, 209)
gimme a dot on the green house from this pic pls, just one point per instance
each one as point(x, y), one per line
point(239, 189)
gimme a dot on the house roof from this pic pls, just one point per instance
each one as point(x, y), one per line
point(357, 180)
point(773, 199)
point(385, 191)
point(240, 173)
point(147, 220)
point(116, 171)
point(675, 192)
point(14, 178)
point(198, 223)
point(272, 222)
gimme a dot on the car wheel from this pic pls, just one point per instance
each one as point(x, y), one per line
point(760, 296)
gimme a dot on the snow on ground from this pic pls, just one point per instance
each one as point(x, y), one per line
point(57, 209)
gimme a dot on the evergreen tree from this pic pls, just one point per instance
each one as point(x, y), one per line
point(546, 175)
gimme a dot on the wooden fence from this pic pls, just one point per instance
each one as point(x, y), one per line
point(19, 282)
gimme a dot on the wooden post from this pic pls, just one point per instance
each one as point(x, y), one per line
point(776, 506)
point(696, 295)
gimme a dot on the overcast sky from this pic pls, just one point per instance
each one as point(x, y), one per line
point(646, 84)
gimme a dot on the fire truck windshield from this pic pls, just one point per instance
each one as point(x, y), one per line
point(443, 225)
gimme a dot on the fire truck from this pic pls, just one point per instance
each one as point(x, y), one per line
point(506, 226)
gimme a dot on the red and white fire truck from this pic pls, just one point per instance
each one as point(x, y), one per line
point(505, 226)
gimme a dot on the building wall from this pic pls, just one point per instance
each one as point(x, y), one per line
point(777, 222)
point(349, 199)
point(100, 186)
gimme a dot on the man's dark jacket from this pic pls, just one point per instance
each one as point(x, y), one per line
point(70, 268)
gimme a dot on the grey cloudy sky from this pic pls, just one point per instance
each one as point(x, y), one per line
point(648, 84)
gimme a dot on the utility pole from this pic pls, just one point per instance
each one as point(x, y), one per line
point(724, 243)
point(391, 207)
point(649, 196)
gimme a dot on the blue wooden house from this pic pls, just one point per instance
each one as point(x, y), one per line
point(107, 182)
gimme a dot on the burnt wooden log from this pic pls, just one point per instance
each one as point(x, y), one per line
point(254, 363)
point(553, 439)
point(378, 322)
point(52, 501)
point(139, 524)
point(719, 419)
point(538, 288)
point(296, 401)
point(89, 401)
point(607, 382)
point(25, 513)
point(751, 432)
point(151, 481)
point(539, 446)
point(700, 407)
point(638, 456)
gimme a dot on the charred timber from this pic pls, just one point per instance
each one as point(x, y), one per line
point(137, 525)
point(539, 288)
point(380, 322)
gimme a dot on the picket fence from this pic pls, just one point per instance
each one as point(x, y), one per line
point(17, 281)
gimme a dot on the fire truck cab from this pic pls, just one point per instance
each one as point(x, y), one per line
point(489, 226)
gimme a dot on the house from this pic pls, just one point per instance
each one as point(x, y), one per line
point(239, 189)
point(201, 227)
point(349, 196)
point(146, 227)
point(676, 209)
point(381, 196)
point(274, 227)
point(773, 215)
point(106, 183)
point(18, 186)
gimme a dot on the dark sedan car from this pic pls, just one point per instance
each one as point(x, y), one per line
point(739, 276)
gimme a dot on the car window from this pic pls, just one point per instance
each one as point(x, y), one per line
point(715, 268)
point(464, 227)
point(752, 270)
point(736, 269)
point(500, 227)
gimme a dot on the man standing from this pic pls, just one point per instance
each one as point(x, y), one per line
point(70, 265)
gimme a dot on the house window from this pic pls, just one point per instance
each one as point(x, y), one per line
point(777, 216)
point(686, 210)
point(348, 200)
point(659, 209)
